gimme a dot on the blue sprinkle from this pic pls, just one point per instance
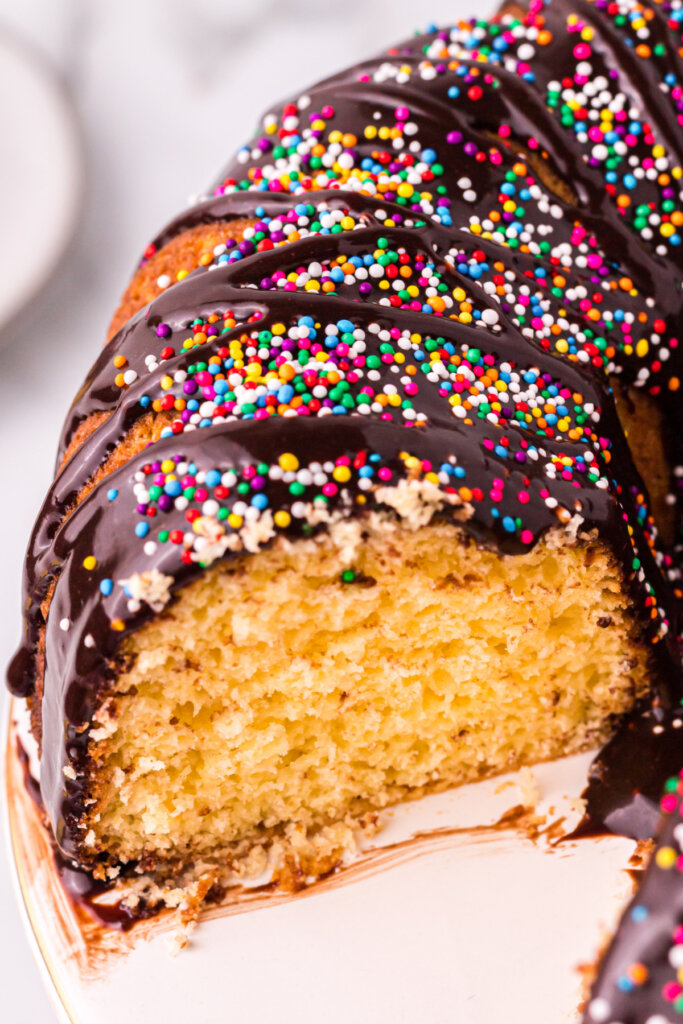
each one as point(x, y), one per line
point(106, 587)
point(509, 524)
point(212, 478)
point(112, 494)
point(142, 529)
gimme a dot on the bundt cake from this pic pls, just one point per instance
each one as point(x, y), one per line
point(372, 490)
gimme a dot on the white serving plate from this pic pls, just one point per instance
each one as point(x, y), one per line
point(41, 172)
point(445, 916)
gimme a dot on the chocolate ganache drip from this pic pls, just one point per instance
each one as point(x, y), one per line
point(454, 251)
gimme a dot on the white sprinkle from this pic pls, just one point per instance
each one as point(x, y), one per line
point(598, 1009)
point(89, 640)
point(163, 281)
point(64, 624)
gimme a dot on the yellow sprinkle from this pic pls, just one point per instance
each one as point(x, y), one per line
point(166, 382)
point(181, 274)
point(341, 474)
point(167, 466)
point(235, 521)
point(665, 857)
point(282, 519)
point(90, 562)
point(288, 462)
point(642, 348)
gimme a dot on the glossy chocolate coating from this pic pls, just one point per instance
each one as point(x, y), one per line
point(77, 675)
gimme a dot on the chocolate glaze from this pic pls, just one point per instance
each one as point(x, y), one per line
point(626, 778)
point(622, 792)
point(638, 979)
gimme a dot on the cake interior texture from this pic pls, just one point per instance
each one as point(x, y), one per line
point(329, 676)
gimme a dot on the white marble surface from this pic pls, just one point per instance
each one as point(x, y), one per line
point(164, 90)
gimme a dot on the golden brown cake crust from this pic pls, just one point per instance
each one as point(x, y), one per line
point(187, 251)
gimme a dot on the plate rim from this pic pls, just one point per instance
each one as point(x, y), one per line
point(56, 994)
